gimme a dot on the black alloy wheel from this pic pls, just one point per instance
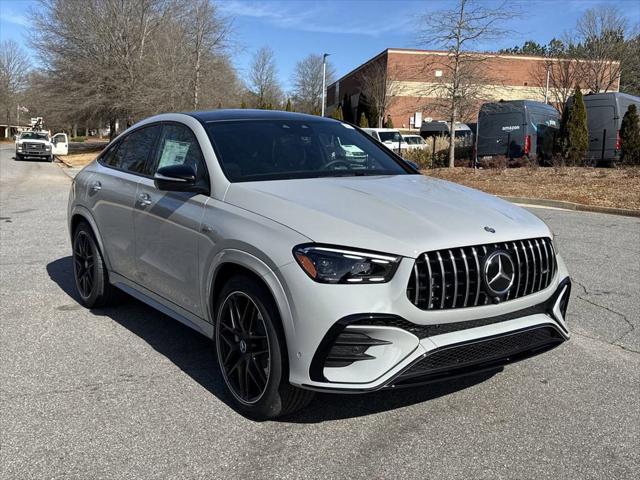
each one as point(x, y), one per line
point(89, 269)
point(84, 264)
point(243, 348)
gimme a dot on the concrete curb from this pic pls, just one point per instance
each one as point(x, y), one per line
point(573, 206)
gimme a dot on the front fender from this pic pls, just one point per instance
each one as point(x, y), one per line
point(258, 267)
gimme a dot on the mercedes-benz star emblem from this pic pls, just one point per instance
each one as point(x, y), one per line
point(499, 273)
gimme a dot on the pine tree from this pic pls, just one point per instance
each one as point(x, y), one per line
point(288, 108)
point(337, 113)
point(576, 130)
point(364, 123)
point(389, 123)
point(630, 136)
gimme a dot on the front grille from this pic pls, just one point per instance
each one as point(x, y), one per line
point(490, 352)
point(34, 146)
point(452, 278)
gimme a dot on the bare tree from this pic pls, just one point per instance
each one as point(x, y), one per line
point(458, 30)
point(379, 86)
point(14, 69)
point(263, 78)
point(307, 83)
point(207, 34)
point(124, 59)
point(601, 44)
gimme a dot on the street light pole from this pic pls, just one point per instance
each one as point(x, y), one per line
point(324, 79)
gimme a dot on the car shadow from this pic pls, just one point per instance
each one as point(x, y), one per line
point(194, 355)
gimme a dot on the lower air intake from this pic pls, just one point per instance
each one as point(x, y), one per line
point(486, 353)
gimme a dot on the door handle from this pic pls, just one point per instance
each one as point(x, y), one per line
point(144, 199)
point(95, 186)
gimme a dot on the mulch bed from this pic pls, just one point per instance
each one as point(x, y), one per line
point(604, 187)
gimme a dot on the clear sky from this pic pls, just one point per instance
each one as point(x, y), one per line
point(352, 31)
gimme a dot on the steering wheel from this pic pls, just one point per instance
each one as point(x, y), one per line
point(333, 163)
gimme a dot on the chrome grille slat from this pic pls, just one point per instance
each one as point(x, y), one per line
point(484, 254)
point(466, 276)
point(455, 279)
point(519, 277)
point(478, 281)
point(430, 277)
point(541, 266)
point(533, 259)
point(442, 293)
point(533, 273)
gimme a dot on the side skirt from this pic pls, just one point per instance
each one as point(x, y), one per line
point(161, 304)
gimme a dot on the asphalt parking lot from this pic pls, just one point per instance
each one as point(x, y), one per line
point(129, 393)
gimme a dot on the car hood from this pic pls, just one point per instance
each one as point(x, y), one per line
point(28, 140)
point(401, 214)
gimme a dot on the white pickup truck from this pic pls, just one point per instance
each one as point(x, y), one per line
point(38, 144)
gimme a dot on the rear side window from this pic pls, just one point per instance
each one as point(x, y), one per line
point(179, 146)
point(133, 151)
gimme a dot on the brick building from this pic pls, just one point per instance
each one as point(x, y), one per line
point(414, 76)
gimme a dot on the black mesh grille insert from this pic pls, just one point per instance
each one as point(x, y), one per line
point(504, 348)
point(452, 278)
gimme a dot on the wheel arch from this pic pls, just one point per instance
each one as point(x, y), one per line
point(80, 214)
point(230, 262)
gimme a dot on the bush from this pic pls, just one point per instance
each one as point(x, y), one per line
point(77, 139)
point(364, 123)
point(337, 113)
point(419, 156)
point(630, 137)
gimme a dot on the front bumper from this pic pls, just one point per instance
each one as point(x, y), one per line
point(411, 345)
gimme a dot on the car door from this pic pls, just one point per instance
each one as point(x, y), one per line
point(167, 224)
point(60, 144)
point(112, 192)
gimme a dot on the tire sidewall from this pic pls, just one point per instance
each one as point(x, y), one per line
point(98, 283)
point(270, 403)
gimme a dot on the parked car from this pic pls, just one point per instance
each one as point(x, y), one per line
point(517, 128)
point(414, 142)
point(389, 137)
point(604, 119)
point(311, 272)
point(441, 128)
point(38, 144)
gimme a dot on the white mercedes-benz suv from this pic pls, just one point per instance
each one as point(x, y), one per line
point(310, 270)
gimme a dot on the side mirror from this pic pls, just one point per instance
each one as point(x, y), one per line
point(177, 178)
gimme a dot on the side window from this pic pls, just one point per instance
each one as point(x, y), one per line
point(179, 146)
point(131, 153)
point(136, 149)
point(110, 157)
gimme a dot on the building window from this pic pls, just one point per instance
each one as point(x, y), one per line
point(438, 73)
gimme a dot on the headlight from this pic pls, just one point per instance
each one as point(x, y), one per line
point(326, 264)
point(47, 147)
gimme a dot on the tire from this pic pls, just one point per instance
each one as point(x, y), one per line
point(50, 158)
point(240, 343)
point(89, 269)
point(19, 156)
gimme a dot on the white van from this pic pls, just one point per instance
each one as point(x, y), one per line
point(390, 137)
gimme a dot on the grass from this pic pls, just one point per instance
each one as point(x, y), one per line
point(603, 187)
point(78, 159)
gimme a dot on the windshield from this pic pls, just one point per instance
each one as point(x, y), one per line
point(390, 136)
point(34, 136)
point(284, 149)
point(412, 140)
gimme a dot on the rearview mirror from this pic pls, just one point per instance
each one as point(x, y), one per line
point(177, 178)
